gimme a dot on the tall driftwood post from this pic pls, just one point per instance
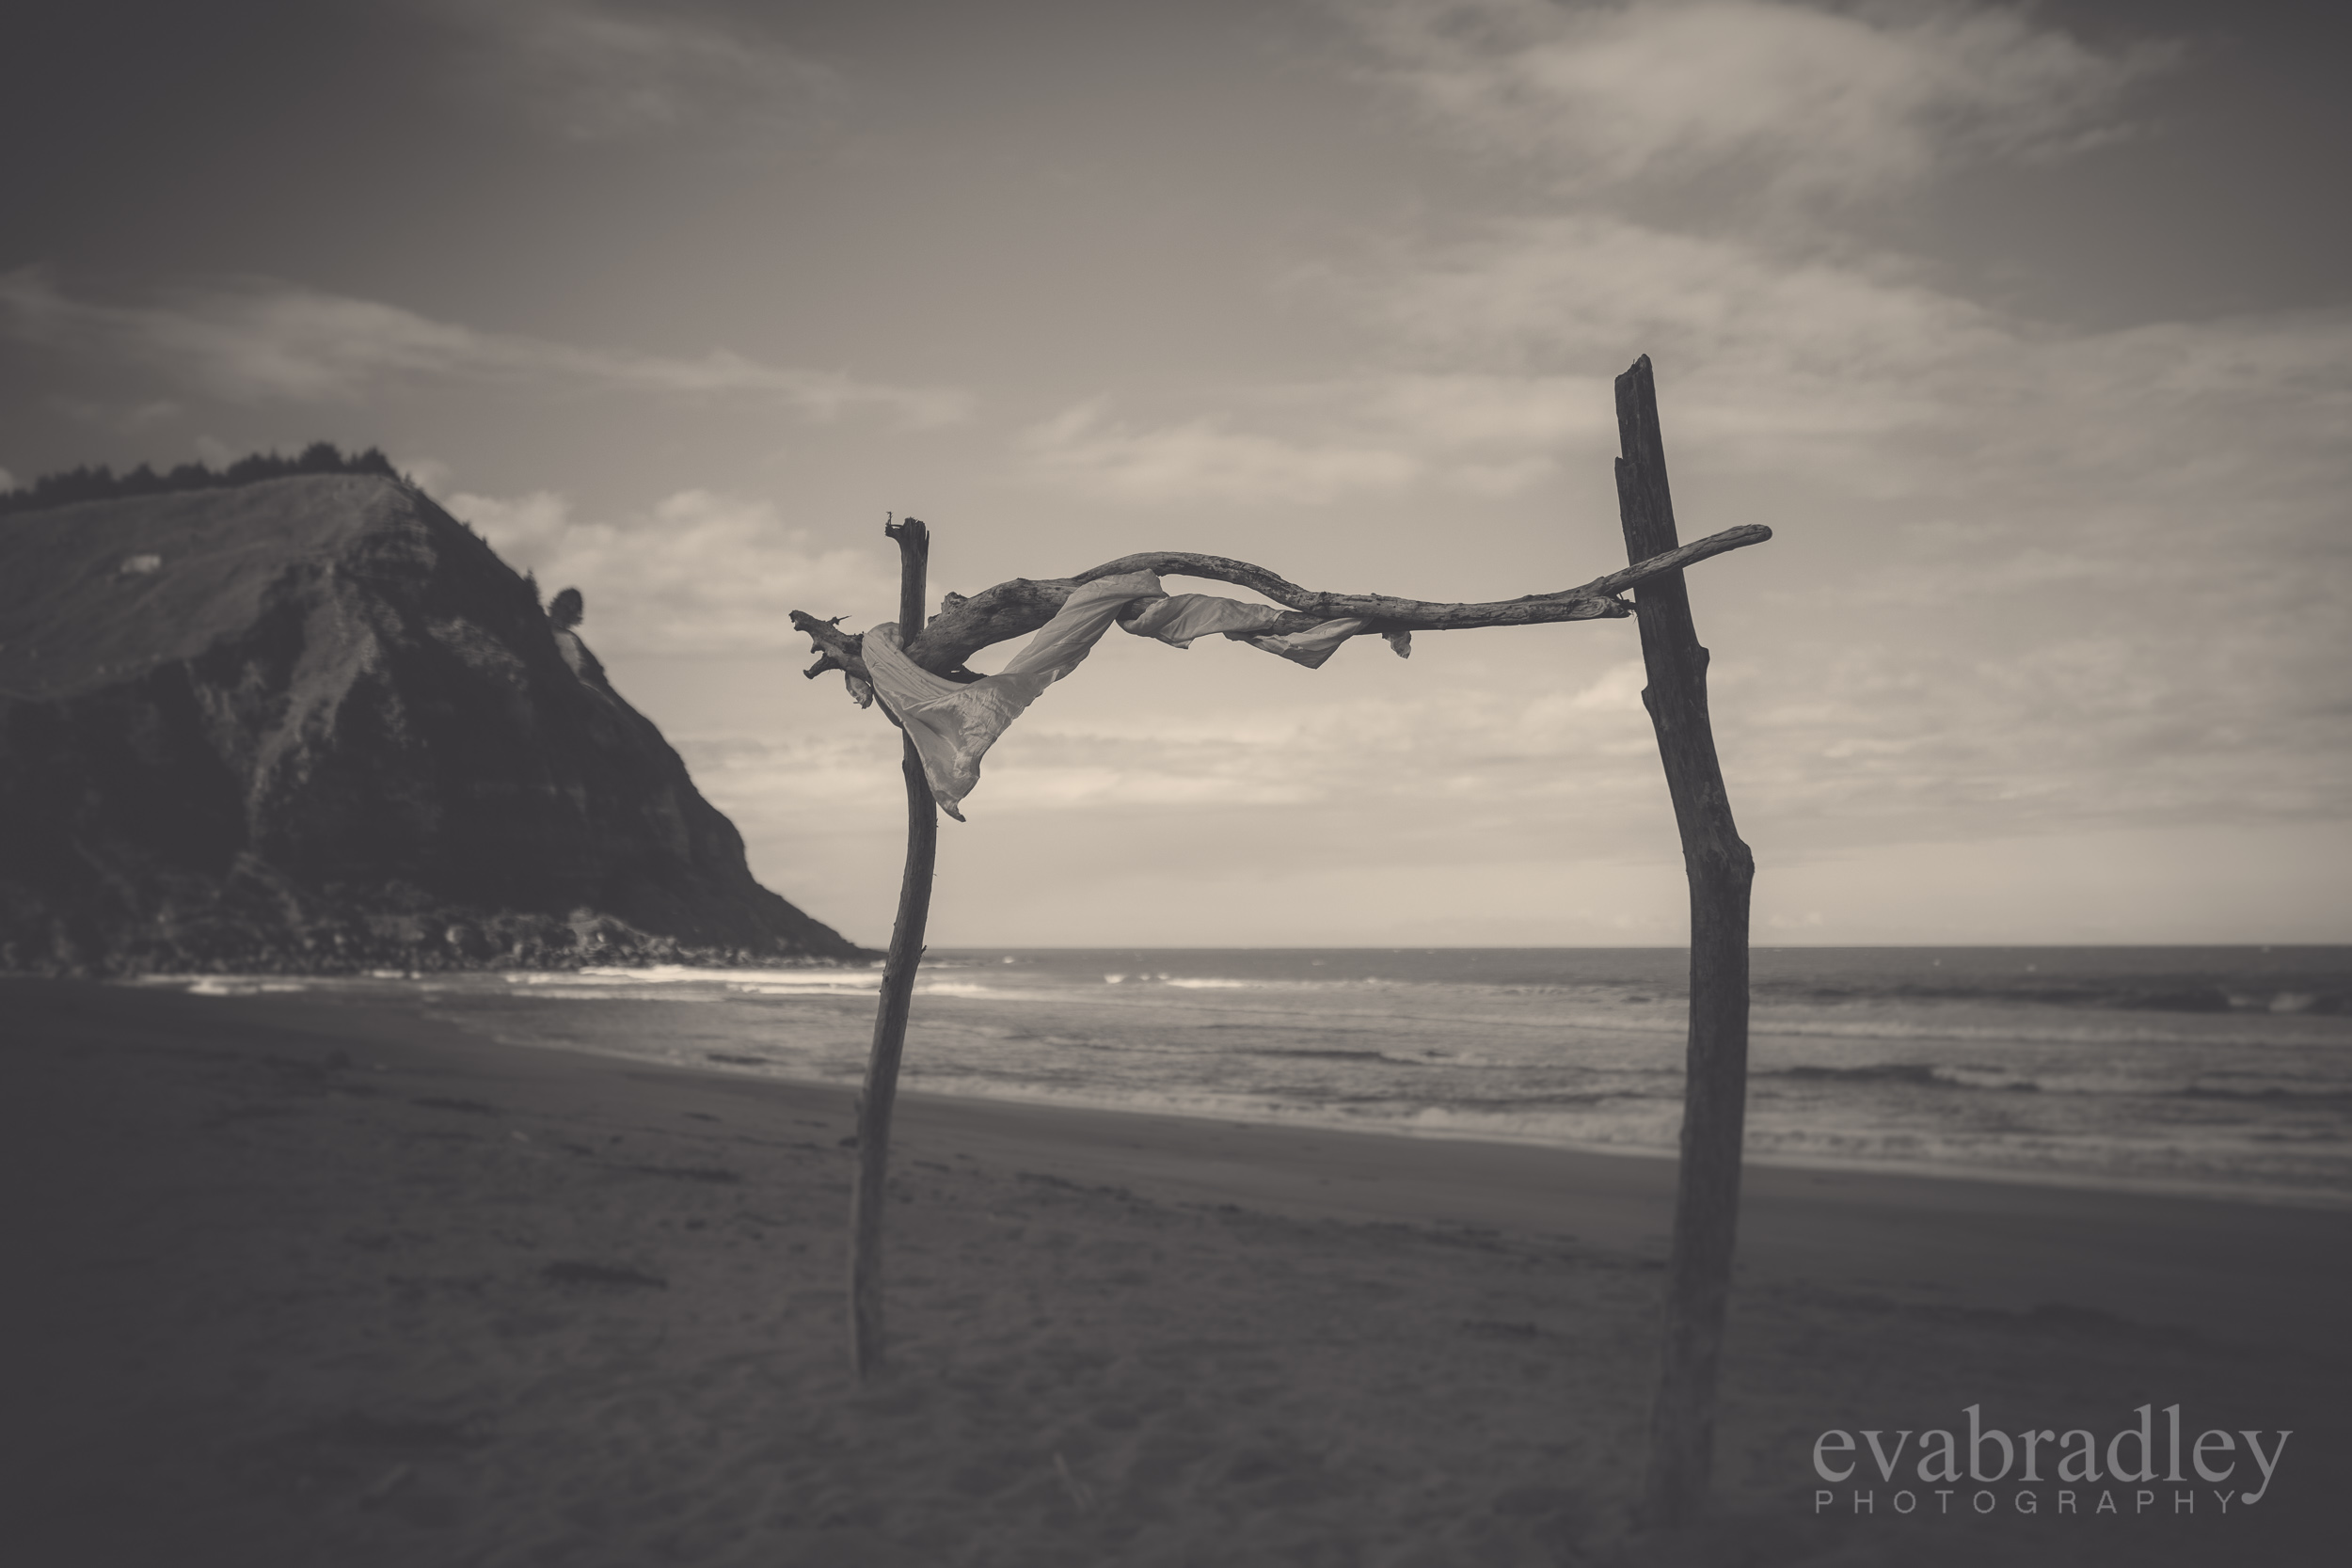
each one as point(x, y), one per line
point(1714, 1104)
point(868, 1197)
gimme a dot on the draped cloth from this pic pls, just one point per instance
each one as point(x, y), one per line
point(953, 724)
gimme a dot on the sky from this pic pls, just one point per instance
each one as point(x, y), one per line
point(2026, 330)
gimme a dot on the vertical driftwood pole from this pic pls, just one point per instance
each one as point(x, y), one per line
point(871, 1192)
point(1714, 1103)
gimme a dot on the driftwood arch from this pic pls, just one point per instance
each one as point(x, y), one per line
point(1720, 868)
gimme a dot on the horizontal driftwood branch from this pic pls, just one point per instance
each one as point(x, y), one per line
point(964, 626)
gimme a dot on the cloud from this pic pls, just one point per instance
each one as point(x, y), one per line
point(1567, 288)
point(1793, 100)
point(828, 776)
point(1861, 735)
point(255, 340)
point(1312, 444)
point(701, 573)
point(1455, 757)
point(598, 73)
point(2050, 582)
point(1849, 374)
point(1853, 368)
point(2031, 577)
point(128, 419)
point(1201, 459)
point(430, 474)
point(1887, 740)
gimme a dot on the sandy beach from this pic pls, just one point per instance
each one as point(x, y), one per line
point(309, 1284)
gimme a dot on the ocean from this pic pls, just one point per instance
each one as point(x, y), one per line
point(2209, 1070)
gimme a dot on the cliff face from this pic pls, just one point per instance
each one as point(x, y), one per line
point(316, 723)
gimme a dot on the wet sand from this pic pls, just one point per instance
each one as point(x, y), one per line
point(305, 1282)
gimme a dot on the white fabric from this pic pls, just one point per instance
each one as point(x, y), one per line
point(1313, 646)
point(1178, 619)
point(953, 725)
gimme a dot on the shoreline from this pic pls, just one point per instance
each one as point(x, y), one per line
point(1795, 1216)
point(2038, 1151)
point(2007, 1246)
point(341, 1283)
point(2247, 1192)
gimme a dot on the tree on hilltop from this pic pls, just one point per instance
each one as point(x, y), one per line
point(87, 483)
